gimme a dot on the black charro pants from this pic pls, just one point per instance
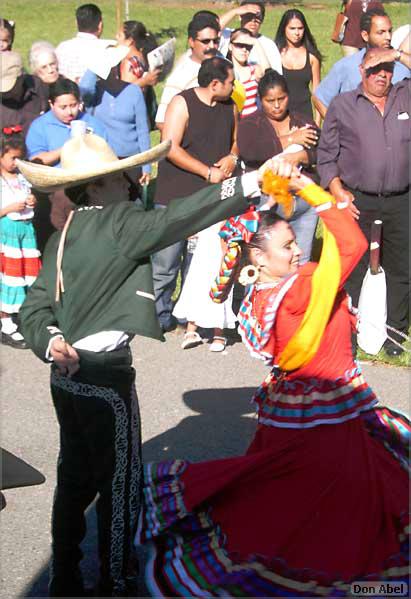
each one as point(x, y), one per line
point(394, 212)
point(100, 453)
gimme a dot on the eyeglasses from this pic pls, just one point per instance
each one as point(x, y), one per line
point(241, 46)
point(209, 40)
point(250, 16)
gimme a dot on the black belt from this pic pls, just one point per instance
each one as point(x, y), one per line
point(390, 194)
point(108, 359)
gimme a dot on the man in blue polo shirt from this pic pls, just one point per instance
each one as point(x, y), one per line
point(344, 76)
point(50, 131)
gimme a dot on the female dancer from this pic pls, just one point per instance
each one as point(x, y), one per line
point(301, 61)
point(321, 497)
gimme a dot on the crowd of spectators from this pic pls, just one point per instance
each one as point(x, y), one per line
point(235, 98)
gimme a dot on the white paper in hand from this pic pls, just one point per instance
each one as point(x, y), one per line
point(162, 57)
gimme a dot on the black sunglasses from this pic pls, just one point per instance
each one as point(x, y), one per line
point(209, 40)
point(250, 16)
point(247, 47)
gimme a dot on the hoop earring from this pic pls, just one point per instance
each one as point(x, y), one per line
point(248, 275)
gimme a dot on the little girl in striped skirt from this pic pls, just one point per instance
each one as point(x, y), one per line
point(20, 258)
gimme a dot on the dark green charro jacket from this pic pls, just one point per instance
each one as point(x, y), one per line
point(107, 270)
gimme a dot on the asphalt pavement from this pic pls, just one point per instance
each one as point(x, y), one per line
point(194, 404)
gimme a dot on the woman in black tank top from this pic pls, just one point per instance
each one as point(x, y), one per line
point(301, 61)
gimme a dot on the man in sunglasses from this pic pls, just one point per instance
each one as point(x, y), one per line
point(251, 14)
point(203, 40)
point(363, 158)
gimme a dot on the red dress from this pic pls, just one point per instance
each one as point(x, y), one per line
point(321, 497)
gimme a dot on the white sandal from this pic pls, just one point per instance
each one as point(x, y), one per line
point(191, 339)
point(218, 344)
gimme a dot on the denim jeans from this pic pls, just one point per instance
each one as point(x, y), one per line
point(167, 263)
point(304, 222)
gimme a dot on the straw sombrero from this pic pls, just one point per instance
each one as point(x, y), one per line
point(83, 159)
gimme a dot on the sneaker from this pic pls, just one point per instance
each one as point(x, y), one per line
point(15, 340)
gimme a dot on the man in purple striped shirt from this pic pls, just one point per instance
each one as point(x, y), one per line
point(363, 158)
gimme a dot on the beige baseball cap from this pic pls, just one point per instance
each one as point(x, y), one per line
point(11, 67)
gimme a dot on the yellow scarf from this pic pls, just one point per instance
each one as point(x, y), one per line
point(305, 342)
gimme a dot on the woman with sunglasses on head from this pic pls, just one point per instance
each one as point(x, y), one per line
point(241, 44)
point(320, 498)
point(301, 61)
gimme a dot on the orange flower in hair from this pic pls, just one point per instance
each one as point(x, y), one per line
point(277, 187)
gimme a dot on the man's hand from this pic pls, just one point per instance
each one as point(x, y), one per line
point(278, 166)
point(65, 356)
point(144, 179)
point(248, 8)
point(226, 164)
point(294, 158)
point(343, 195)
point(216, 175)
point(379, 55)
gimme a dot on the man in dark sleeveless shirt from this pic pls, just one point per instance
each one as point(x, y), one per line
point(201, 123)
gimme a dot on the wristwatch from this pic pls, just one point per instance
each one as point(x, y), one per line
point(399, 54)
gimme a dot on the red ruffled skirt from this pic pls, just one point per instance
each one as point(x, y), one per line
point(303, 513)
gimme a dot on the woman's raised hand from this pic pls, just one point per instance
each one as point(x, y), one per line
point(150, 78)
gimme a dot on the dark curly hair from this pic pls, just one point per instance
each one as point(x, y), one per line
point(15, 141)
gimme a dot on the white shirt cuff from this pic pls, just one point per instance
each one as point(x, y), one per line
point(249, 183)
point(48, 356)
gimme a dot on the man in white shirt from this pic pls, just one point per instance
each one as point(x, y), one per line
point(252, 13)
point(73, 54)
point(401, 38)
point(203, 40)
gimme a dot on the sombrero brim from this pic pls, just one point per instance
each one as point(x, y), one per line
point(50, 178)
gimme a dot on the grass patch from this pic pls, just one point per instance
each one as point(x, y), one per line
point(54, 20)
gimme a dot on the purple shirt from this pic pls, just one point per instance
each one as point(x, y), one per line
point(366, 150)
